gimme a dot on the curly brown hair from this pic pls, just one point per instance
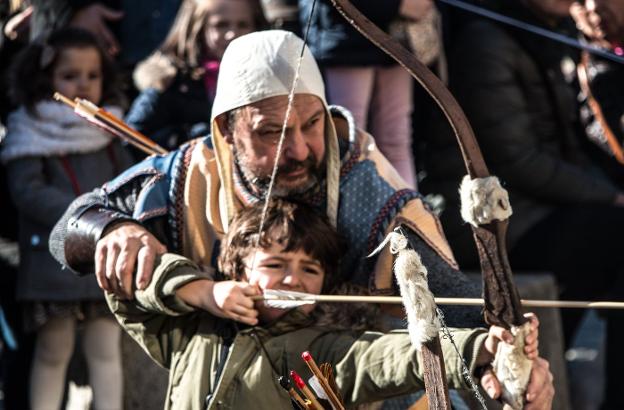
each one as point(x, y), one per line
point(295, 226)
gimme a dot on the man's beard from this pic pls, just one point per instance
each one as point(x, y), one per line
point(259, 181)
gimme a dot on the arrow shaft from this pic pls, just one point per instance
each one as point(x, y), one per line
point(567, 304)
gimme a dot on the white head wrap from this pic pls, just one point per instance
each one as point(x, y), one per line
point(261, 65)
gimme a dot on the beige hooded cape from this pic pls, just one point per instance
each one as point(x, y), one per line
point(258, 66)
point(254, 67)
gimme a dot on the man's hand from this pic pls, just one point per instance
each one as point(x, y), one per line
point(118, 252)
point(93, 18)
point(540, 391)
point(228, 299)
point(498, 334)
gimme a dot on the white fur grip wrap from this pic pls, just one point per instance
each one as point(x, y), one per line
point(483, 200)
point(422, 320)
point(513, 368)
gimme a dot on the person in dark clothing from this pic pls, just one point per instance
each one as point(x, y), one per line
point(178, 81)
point(515, 91)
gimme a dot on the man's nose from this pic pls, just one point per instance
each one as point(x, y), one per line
point(296, 146)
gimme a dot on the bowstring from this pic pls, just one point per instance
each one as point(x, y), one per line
point(447, 334)
point(280, 144)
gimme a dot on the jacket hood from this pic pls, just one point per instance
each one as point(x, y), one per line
point(261, 65)
point(157, 72)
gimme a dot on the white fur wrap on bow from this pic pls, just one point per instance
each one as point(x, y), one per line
point(422, 320)
point(513, 368)
point(483, 200)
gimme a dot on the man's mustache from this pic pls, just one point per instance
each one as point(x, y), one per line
point(293, 165)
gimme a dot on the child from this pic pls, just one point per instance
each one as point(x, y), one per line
point(52, 156)
point(217, 363)
point(178, 81)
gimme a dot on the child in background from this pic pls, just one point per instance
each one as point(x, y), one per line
point(178, 81)
point(216, 362)
point(52, 156)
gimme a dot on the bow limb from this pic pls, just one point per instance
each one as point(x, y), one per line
point(502, 302)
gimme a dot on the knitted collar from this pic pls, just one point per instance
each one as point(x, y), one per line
point(52, 130)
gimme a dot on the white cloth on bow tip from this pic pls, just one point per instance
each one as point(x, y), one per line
point(483, 200)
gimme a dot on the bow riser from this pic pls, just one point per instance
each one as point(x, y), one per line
point(502, 301)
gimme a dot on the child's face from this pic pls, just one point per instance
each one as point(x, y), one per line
point(227, 20)
point(78, 73)
point(275, 269)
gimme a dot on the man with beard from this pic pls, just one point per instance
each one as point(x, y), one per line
point(183, 202)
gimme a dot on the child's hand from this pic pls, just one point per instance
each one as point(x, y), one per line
point(232, 300)
point(228, 299)
point(498, 334)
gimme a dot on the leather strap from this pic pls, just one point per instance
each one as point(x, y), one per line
point(594, 106)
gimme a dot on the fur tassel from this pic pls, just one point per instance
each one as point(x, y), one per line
point(483, 200)
point(157, 71)
point(422, 321)
point(513, 368)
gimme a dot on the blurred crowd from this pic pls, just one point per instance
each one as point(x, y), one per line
point(549, 118)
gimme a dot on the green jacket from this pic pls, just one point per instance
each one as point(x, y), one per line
point(192, 344)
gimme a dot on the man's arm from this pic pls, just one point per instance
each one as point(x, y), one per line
point(107, 215)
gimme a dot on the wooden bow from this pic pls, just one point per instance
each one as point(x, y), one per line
point(502, 303)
